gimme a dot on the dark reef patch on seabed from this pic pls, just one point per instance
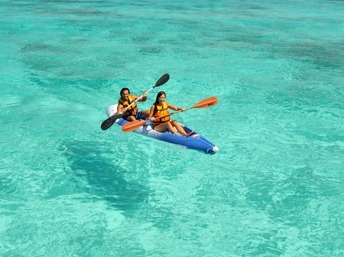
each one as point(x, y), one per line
point(100, 177)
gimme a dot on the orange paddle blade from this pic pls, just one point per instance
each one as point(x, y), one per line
point(130, 126)
point(205, 103)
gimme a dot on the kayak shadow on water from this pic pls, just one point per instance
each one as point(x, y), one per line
point(97, 173)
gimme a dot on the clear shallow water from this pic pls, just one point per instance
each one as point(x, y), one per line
point(274, 189)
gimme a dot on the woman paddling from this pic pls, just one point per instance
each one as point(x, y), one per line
point(160, 108)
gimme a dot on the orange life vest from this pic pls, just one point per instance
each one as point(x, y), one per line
point(132, 110)
point(161, 111)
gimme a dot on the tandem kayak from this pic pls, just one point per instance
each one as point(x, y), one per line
point(195, 141)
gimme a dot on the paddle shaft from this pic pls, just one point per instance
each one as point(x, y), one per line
point(163, 116)
point(111, 120)
point(130, 126)
point(208, 102)
point(162, 80)
point(202, 104)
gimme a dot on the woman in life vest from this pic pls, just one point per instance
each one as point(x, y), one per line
point(126, 100)
point(160, 108)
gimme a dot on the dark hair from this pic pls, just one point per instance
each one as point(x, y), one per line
point(123, 89)
point(158, 95)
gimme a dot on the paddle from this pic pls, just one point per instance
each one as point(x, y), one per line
point(111, 120)
point(205, 103)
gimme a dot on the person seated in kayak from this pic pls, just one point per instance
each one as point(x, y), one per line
point(132, 113)
point(160, 108)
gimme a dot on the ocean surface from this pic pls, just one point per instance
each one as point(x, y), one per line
point(275, 188)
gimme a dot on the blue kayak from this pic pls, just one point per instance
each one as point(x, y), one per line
point(194, 141)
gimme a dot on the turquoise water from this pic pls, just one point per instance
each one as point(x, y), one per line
point(275, 188)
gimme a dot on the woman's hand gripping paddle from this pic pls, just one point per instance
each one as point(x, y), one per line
point(111, 120)
point(205, 103)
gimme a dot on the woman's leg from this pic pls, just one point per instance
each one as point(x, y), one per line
point(165, 126)
point(180, 128)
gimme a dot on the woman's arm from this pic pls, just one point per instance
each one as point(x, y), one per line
point(175, 108)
